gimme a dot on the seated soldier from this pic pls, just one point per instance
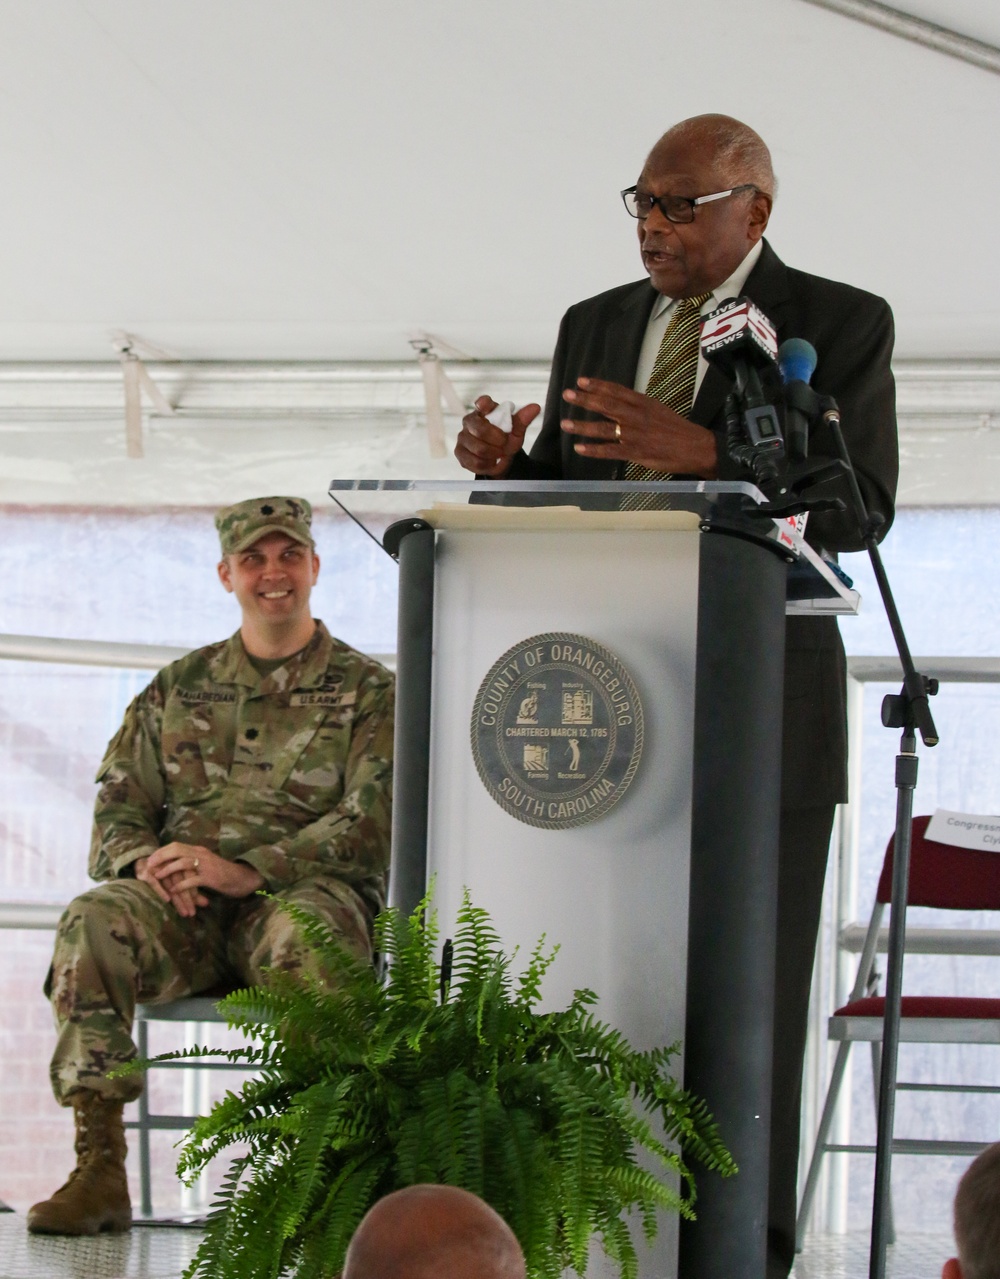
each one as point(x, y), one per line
point(262, 762)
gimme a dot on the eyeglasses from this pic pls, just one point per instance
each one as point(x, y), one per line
point(675, 208)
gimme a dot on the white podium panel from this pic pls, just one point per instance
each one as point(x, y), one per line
point(614, 892)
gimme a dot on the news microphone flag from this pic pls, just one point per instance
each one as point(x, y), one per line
point(738, 329)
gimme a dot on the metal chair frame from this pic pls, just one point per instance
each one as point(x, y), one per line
point(848, 1030)
point(200, 1010)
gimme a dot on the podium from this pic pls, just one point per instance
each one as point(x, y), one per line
point(589, 739)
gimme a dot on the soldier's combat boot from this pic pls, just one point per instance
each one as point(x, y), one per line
point(95, 1197)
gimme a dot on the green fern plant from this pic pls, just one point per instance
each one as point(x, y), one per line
point(420, 1078)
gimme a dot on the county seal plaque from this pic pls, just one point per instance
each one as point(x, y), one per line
point(557, 731)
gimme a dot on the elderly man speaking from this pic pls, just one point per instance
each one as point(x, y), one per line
point(629, 359)
point(260, 762)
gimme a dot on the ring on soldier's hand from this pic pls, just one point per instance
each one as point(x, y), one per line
point(197, 863)
point(618, 432)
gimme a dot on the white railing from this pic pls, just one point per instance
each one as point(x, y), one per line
point(74, 652)
point(30, 914)
point(132, 657)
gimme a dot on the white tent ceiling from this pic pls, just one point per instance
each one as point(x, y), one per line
point(314, 181)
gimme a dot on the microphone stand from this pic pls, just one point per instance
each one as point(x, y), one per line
point(909, 711)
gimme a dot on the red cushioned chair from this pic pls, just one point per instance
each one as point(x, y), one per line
point(949, 878)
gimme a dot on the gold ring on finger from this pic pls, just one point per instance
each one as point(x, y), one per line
point(197, 863)
point(618, 432)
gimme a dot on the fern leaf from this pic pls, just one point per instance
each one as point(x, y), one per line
point(529, 985)
point(346, 1202)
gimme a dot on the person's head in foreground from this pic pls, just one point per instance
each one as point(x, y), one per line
point(433, 1232)
point(977, 1220)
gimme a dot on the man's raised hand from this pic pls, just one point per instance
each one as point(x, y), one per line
point(486, 450)
point(639, 429)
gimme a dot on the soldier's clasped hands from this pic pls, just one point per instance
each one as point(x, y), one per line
point(178, 872)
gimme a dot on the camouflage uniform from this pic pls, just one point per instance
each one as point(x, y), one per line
point(289, 772)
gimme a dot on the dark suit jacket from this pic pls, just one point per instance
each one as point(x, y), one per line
point(852, 332)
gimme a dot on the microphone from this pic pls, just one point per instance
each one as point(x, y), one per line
point(738, 338)
point(797, 360)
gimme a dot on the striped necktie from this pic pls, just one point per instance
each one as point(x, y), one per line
point(672, 381)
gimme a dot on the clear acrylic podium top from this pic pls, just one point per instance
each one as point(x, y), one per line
point(732, 506)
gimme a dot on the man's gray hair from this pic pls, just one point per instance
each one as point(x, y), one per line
point(977, 1216)
point(741, 154)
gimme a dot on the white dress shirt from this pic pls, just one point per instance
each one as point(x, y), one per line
point(664, 307)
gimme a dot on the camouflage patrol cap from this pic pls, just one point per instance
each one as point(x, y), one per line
point(241, 525)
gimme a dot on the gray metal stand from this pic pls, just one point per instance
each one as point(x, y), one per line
point(733, 894)
point(408, 879)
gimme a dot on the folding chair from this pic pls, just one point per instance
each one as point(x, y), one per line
point(200, 1010)
point(949, 878)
